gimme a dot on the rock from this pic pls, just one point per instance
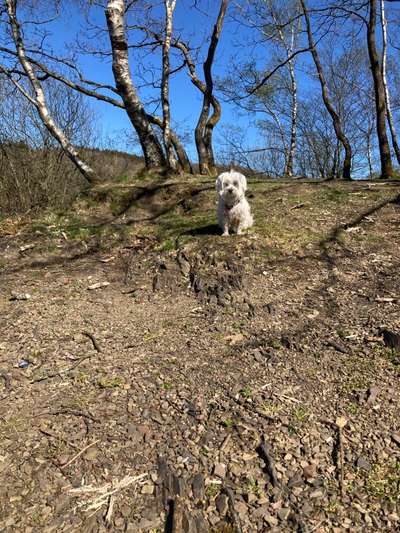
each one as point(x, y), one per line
point(98, 285)
point(310, 471)
point(19, 296)
point(391, 339)
point(147, 489)
point(283, 513)
point(396, 438)
point(373, 393)
point(198, 486)
point(363, 463)
point(272, 521)
point(241, 508)
point(220, 470)
point(316, 494)
point(221, 504)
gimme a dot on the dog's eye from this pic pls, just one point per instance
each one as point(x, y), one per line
point(235, 183)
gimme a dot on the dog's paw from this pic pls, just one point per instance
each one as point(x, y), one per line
point(225, 234)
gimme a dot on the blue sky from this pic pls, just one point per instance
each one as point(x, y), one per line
point(185, 98)
point(195, 27)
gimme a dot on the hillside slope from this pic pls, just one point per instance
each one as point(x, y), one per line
point(177, 380)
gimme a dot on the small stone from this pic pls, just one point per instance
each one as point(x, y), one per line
point(373, 393)
point(241, 508)
point(272, 521)
point(147, 489)
point(221, 504)
point(363, 463)
point(119, 522)
point(393, 517)
point(198, 486)
point(283, 513)
point(220, 470)
point(396, 438)
point(316, 494)
point(310, 471)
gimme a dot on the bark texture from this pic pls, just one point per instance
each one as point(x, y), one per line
point(389, 114)
point(152, 149)
point(379, 92)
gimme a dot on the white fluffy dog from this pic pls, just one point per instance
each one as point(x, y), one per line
point(233, 208)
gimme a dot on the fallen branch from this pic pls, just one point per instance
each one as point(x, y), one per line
point(264, 452)
point(340, 424)
point(234, 515)
point(61, 372)
point(94, 341)
point(80, 453)
point(103, 493)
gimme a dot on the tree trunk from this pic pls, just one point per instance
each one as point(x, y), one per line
point(385, 84)
point(183, 159)
point(205, 126)
point(169, 10)
point(40, 99)
point(152, 150)
point(326, 98)
point(379, 89)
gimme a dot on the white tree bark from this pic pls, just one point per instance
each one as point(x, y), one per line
point(389, 114)
point(152, 150)
point(169, 11)
point(39, 99)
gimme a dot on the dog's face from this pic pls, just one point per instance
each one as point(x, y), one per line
point(231, 186)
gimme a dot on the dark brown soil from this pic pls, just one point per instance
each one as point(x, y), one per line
point(203, 388)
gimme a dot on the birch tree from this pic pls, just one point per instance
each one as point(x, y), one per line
point(379, 91)
point(389, 114)
point(152, 150)
point(37, 95)
point(342, 138)
point(169, 10)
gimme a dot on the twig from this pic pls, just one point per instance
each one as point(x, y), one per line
point(94, 341)
point(340, 424)
point(7, 379)
point(110, 509)
point(47, 434)
point(234, 516)
point(264, 452)
point(61, 372)
point(79, 454)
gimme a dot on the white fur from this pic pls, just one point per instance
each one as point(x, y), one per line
point(233, 208)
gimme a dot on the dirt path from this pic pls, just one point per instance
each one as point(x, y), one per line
point(201, 389)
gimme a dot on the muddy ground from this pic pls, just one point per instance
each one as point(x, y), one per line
point(155, 376)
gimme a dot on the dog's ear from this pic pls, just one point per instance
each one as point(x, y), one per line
point(243, 182)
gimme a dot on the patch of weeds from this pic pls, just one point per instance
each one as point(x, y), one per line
point(166, 385)
point(334, 195)
point(228, 422)
point(212, 491)
point(168, 245)
point(352, 408)
point(246, 392)
point(123, 179)
point(110, 382)
point(276, 344)
point(301, 414)
point(332, 507)
point(271, 409)
point(383, 482)
point(82, 377)
point(390, 354)
point(253, 487)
